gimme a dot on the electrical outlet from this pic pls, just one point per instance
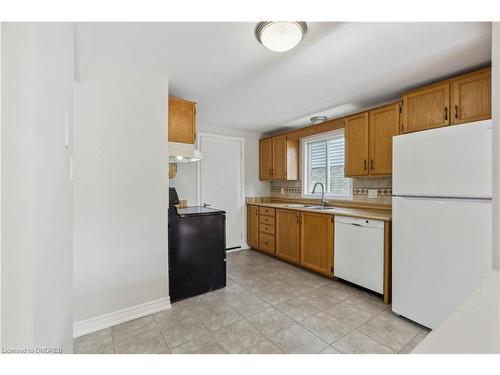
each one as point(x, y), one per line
point(282, 190)
point(372, 193)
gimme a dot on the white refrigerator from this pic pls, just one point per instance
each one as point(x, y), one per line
point(442, 227)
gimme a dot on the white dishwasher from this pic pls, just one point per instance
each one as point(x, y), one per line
point(359, 252)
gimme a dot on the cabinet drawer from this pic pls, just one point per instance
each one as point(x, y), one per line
point(269, 220)
point(269, 229)
point(267, 211)
point(266, 242)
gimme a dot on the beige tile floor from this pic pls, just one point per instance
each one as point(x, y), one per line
point(268, 306)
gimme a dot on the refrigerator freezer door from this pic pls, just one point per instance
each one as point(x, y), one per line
point(453, 161)
point(441, 251)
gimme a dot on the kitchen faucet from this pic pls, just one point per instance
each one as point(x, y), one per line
point(323, 200)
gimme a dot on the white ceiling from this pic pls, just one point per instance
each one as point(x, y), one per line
point(337, 69)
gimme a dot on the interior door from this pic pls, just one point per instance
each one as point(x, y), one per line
point(220, 176)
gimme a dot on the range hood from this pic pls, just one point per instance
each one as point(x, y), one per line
point(183, 153)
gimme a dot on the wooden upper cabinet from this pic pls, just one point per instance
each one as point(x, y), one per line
point(278, 169)
point(265, 159)
point(253, 226)
point(383, 125)
point(316, 242)
point(181, 120)
point(287, 235)
point(356, 145)
point(279, 158)
point(426, 108)
point(471, 97)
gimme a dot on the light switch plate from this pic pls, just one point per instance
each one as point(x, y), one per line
point(372, 193)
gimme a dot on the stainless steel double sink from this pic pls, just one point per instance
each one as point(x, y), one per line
point(308, 207)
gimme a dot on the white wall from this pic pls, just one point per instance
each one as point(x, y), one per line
point(495, 55)
point(120, 192)
point(186, 179)
point(0, 185)
point(37, 258)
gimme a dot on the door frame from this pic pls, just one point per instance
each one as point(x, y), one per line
point(242, 177)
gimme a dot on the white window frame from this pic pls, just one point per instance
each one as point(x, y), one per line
point(304, 162)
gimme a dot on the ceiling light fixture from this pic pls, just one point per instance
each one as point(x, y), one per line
point(280, 36)
point(318, 119)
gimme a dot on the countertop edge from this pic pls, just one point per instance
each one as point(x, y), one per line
point(363, 213)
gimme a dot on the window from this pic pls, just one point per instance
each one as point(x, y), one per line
point(323, 161)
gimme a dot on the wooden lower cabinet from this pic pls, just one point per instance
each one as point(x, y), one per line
point(304, 238)
point(266, 224)
point(316, 242)
point(253, 226)
point(266, 243)
point(287, 235)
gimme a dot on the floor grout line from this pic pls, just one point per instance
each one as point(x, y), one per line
point(364, 334)
point(351, 330)
point(256, 269)
point(355, 328)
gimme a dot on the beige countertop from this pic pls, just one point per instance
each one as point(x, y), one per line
point(364, 213)
point(473, 327)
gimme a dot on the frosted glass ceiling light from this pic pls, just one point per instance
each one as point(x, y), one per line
point(280, 36)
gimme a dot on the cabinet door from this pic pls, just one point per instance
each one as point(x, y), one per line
point(471, 97)
point(265, 159)
point(316, 242)
point(279, 158)
point(287, 235)
point(266, 243)
point(181, 121)
point(426, 108)
point(356, 145)
point(383, 125)
point(253, 226)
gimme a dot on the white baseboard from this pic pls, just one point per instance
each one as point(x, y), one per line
point(234, 250)
point(84, 327)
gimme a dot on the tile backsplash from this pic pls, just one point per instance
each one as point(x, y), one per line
point(383, 185)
